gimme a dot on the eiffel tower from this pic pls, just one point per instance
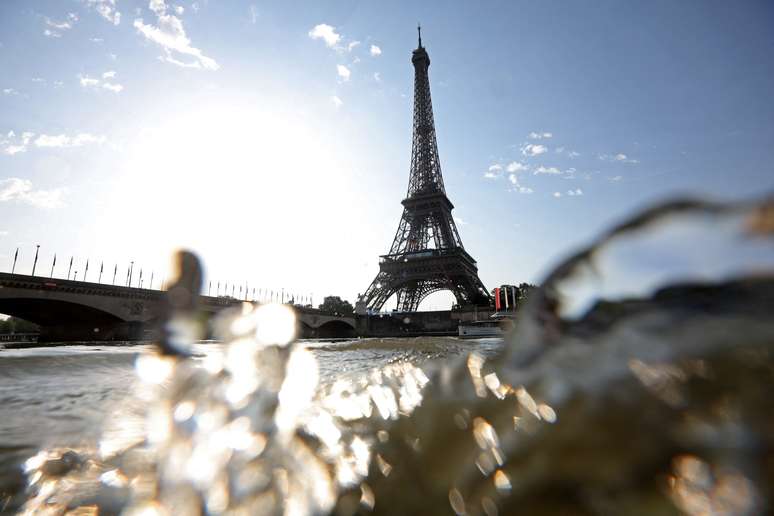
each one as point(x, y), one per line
point(427, 254)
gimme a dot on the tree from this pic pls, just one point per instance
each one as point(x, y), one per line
point(16, 325)
point(336, 305)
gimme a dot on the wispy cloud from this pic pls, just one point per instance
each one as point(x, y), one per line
point(343, 72)
point(10, 91)
point(533, 149)
point(22, 191)
point(63, 140)
point(352, 45)
point(325, 32)
point(101, 83)
point(557, 194)
point(494, 171)
point(54, 29)
point(567, 152)
point(518, 187)
point(620, 157)
point(615, 178)
point(11, 144)
point(171, 36)
point(106, 9)
point(253, 14)
point(517, 166)
point(547, 170)
point(375, 51)
point(460, 221)
point(540, 136)
point(377, 77)
point(575, 192)
point(337, 101)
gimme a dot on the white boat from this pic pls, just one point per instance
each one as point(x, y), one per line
point(495, 326)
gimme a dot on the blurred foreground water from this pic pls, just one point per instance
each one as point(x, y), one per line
point(638, 381)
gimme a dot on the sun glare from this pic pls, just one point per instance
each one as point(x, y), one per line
point(236, 180)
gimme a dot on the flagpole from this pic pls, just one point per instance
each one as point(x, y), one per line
point(101, 265)
point(15, 256)
point(85, 272)
point(35, 263)
point(69, 270)
point(52, 265)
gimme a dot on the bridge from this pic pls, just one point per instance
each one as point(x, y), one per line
point(69, 310)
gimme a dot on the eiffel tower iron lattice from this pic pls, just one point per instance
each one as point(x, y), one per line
point(427, 254)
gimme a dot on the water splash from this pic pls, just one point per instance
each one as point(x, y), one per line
point(636, 383)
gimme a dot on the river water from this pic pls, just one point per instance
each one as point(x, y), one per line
point(64, 396)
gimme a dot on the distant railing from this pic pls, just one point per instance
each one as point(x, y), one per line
point(19, 337)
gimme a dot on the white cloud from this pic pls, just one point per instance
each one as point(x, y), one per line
point(325, 32)
point(351, 45)
point(540, 136)
point(38, 79)
point(377, 77)
point(45, 140)
point(547, 170)
point(518, 187)
point(575, 192)
point(21, 190)
point(106, 9)
point(375, 51)
point(96, 40)
point(10, 91)
point(337, 101)
point(620, 157)
point(91, 82)
point(253, 14)
point(557, 194)
point(531, 149)
point(10, 144)
point(63, 140)
point(615, 178)
point(171, 35)
point(494, 171)
point(88, 81)
point(460, 221)
point(55, 28)
point(343, 72)
point(566, 152)
point(516, 166)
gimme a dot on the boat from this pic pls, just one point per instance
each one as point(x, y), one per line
point(496, 326)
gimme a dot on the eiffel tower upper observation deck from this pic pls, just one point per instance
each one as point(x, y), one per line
point(427, 254)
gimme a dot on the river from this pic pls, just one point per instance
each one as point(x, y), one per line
point(64, 396)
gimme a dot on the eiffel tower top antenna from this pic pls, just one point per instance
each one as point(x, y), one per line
point(419, 31)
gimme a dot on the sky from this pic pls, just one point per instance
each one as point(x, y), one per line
point(274, 138)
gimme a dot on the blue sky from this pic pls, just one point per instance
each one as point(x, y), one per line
point(274, 138)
